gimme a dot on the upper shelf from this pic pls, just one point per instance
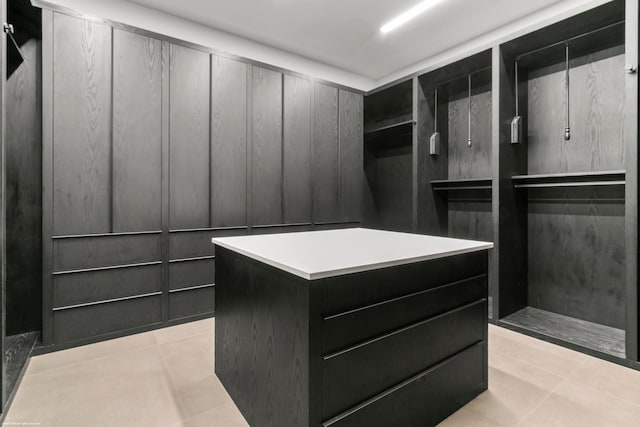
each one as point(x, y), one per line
point(461, 184)
point(574, 179)
point(398, 127)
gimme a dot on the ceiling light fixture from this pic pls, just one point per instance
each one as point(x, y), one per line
point(409, 15)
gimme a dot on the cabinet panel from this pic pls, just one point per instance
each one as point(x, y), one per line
point(188, 138)
point(267, 147)
point(297, 150)
point(351, 155)
point(228, 142)
point(137, 154)
point(326, 207)
point(81, 126)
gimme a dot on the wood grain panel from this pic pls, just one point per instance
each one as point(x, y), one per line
point(463, 376)
point(389, 177)
point(351, 155)
point(228, 142)
point(105, 251)
point(597, 115)
point(137, 115)
point(326, 204)
point(577, 259)
point(353, 375)
point(187, 274)
point(189, 152)
point(191, 303)
point(364, 323)
point(470, 162)
point(82, 288)
point(267, 147)
point(98, 320)
point(192, 244)
point(297, 150)
point(23, 195)
point(262, 340)
point(81, 126)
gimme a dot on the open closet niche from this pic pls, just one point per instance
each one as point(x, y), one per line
point(566, 157)
point(22, 309)
point(455, 136)
point(389, 157)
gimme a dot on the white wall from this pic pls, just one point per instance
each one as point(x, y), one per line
point(159, 22)
point(152, 20)
point(515, 29)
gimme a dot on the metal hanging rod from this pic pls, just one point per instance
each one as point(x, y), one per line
point(479, 70)
point(469, 139)
point(9, 30)
point(562, 42)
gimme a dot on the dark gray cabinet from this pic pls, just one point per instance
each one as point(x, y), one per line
point(188, 138)
point(297, 150)
point(154, 148)
point(137, 115)
point(326, 202)
point(228, 142)
point(81, 125)
point(266, 196)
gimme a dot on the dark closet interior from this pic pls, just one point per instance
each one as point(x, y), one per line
point(23, 191)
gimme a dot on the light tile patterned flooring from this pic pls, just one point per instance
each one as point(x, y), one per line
point(165, 378)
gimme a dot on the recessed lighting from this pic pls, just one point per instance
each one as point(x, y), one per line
point(409, 15)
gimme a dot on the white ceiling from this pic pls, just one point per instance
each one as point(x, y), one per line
point(345, 33)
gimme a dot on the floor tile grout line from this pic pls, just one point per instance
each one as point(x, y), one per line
point(526, 362)
point(90, 359)
point(564, 380)
point(172, 386)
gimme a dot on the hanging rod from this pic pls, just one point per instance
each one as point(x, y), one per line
point(562, 42)
point(479, 70)
point(8, 29)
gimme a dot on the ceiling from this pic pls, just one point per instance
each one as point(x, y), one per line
point(345, 33)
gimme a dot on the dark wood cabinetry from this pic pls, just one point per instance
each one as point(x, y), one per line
point(266, 158)
point(154, 147)
point(560, 204)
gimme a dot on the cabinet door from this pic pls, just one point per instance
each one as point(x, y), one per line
point(188, 138)
point(326, 206)
point(81, 126)
point(267, 147)
point(297, 150)
point(228, 142)
point(351, 157)
point(137, 116)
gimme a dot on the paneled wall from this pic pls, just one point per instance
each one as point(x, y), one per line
point(152, 147)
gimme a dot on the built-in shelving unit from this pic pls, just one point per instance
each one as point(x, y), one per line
point(400, 127)
point(576, 179)
point(470, 184)
point(531, 144)
point(389, 158)
point(566, 210)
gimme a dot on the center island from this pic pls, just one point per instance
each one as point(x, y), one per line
point(352, 327)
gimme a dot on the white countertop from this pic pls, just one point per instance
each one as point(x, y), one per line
point(319, 254)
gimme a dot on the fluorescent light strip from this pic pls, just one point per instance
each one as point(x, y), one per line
point(409, 15)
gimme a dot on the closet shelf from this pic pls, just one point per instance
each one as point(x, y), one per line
point(461, 184)
point(394, 127)
point(574, 179)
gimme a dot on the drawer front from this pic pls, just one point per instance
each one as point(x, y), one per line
point(189, 274)
point(354, 375)
point(349, 328)
point(423, 400)
point(353, 291)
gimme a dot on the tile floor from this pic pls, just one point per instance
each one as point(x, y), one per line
point(165, 378)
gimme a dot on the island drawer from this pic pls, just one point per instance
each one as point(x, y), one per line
point(354, 326)
point(353, 375)
point(352, 291)
point(424, 399)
